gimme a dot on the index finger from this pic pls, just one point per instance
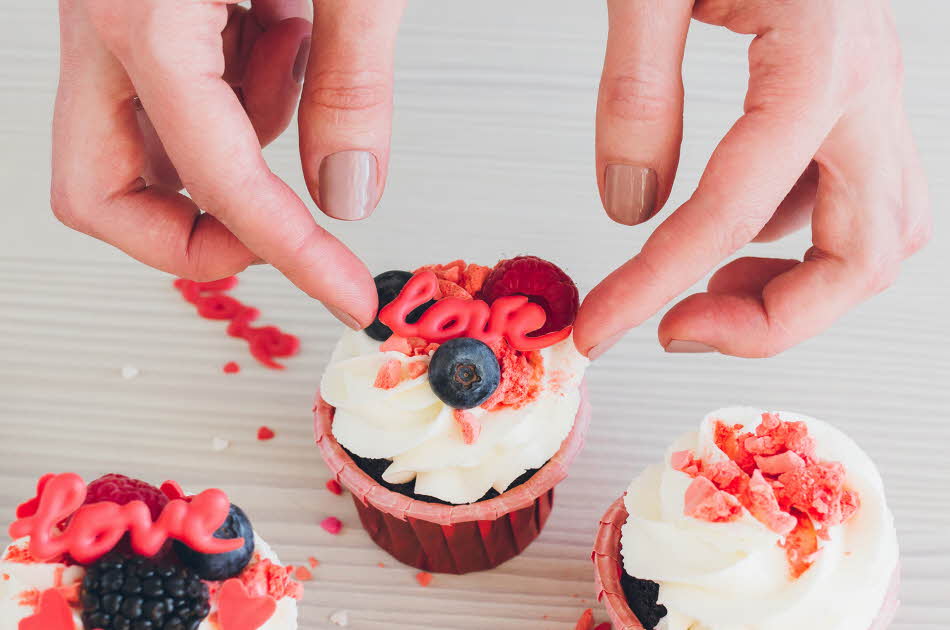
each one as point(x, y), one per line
point(214, 147)
point(748, 176)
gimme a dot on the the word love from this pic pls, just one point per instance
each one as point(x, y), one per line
point(94, 529)
point(511, 317)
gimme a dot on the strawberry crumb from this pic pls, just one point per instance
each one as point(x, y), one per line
point(381, 565)
point(303, 574)
point(332, 525)
point(264, 578)
point(521, 375)
point(424, 578)
point(417, 369)
point(265, 433)
point(334, 486)
point(231, 368)
point(314, 563)
point(389, 375)
point(468, 424)
point(586, 622)
point(775, 474)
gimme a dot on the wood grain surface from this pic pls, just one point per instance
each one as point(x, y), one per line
point(492, 156)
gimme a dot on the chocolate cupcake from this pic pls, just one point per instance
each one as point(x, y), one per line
point(452, 424)
point(764, 521)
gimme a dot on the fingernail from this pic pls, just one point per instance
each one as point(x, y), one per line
point(629, 193)
point(348, 185)
point(605, 345)
point(300, 63)
point(348, 320)
point(680, 346)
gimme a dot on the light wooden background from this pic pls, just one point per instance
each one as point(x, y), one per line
point(492, 157)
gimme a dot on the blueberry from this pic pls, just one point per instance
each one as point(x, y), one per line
point(220, 566)
point(464, 372)
point(388, 286)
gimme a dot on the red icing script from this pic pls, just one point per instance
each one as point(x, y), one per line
point(96, 528)
point(266, 342)
point(511, 317)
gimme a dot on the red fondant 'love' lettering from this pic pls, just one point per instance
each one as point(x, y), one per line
point(96, 528)
point(511, 317)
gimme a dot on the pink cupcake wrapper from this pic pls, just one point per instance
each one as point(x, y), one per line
point(451, 538)
point(608, 567)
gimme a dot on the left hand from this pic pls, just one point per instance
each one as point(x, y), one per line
point(824, 139)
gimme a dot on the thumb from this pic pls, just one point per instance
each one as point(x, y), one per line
point(640, 106)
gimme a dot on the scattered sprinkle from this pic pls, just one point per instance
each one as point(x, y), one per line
point(340, 618)
point(265, 433)
point(129, 372)
point(5, 577)
point(424, 578)
point(314, 563)
point(334, 486)
point(231, 368)
point(586, 622)
point(332, 525)
point(303, 574)
point(381, 565)
point(219, 444)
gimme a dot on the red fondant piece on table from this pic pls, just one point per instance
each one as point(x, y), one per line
point(424, 578)
point(265, 433)
point(96, 528)
point(231, 368)
point(266, 343)
point(53, 613)
point(511, 318)
point(332, 525)
point(238, 610)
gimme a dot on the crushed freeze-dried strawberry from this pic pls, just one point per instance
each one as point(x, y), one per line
point(417, 369)
point(801, 545)
point(521, 377)
point(763, 505)
point(314, 563)
point(468, 424)
point(818, 491)
point(331, 525)
point(389, 375)
point(334, 486)
point(706, 502)
point(303, 574)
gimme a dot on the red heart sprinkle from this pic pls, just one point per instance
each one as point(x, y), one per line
point(237, 610)
point(53, 613)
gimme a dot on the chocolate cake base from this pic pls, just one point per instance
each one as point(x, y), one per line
point(642, 598)
point(376, 467)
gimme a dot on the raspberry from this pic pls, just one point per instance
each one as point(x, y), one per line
point(121, 489)
point(543, 282)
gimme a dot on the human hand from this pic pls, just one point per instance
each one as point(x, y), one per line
point(159, 93)
point(824, 139)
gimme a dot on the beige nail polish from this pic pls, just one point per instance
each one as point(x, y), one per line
point(348, 185)
point(629, 193)
point(348, 320)
point(300, 62)
point(680, 346)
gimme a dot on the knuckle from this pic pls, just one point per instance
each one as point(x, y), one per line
point(740, 231)
point(879, 272)
point(66, 210)
point(640, 97)
point(347, 91)
point(918, 237)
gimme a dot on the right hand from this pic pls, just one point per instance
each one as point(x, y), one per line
point(156, 95)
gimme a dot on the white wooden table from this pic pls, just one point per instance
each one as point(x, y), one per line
point(493, 156)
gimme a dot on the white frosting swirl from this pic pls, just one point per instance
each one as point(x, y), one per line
point(17, 578)
point(734, 576)
point(409, 425)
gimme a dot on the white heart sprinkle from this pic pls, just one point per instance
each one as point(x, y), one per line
point(340, 618)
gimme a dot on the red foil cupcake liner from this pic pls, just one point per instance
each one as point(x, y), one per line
point(451, 538)
point(608, 567)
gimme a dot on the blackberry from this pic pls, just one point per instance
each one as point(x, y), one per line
point(135, 593)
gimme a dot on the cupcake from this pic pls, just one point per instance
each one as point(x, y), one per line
point(121, 554)
point(454, 415)
point(760, 521)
